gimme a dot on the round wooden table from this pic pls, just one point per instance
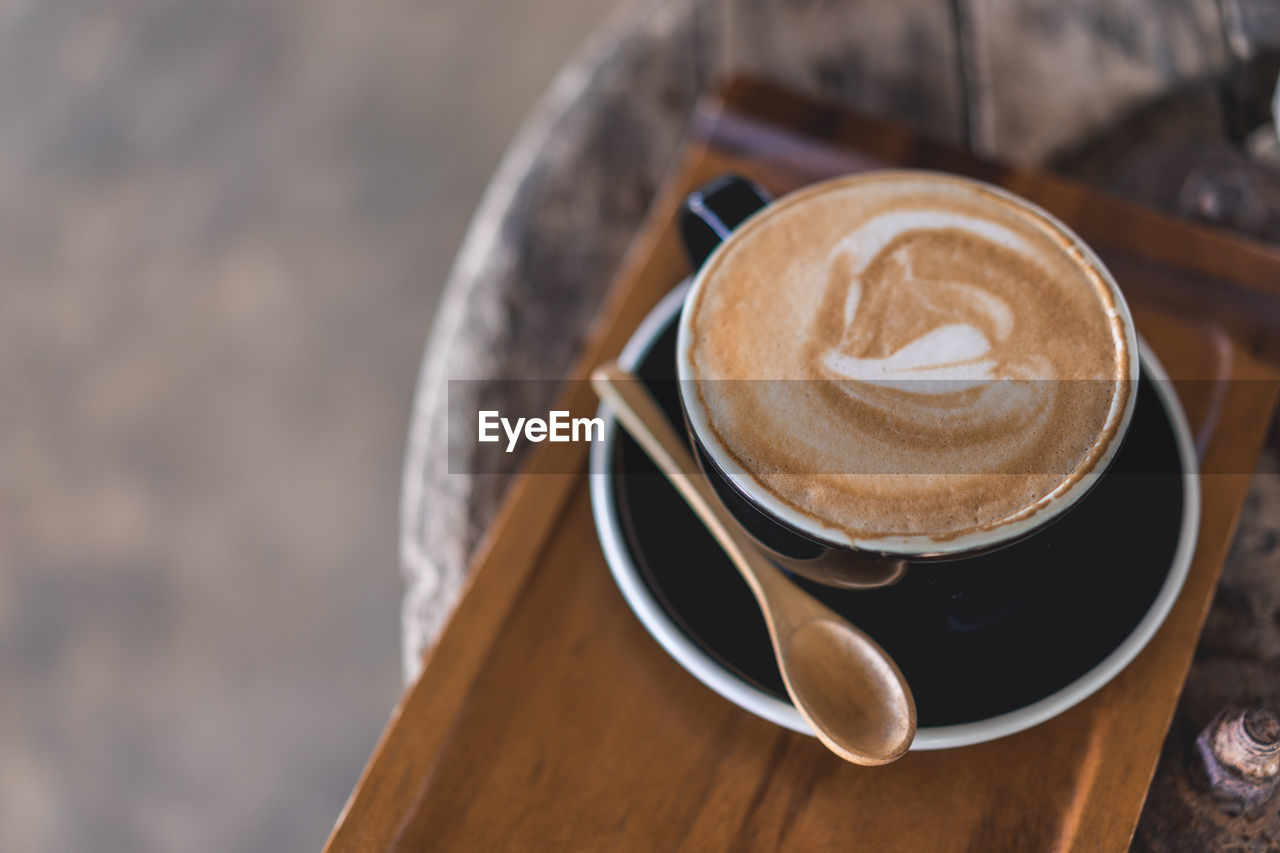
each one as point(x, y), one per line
point(1167, 103)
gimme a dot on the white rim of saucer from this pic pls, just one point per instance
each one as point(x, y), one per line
point(762, 704)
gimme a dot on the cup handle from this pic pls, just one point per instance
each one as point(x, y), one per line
point(713, 210)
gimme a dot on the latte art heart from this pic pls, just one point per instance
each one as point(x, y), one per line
point(881, 276)
point(907, 356)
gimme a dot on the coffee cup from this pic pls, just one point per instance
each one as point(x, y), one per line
point(897, 367)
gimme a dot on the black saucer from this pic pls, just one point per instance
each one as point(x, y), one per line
point(1039, 624)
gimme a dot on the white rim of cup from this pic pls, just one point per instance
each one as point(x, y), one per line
point(755, 700)
point(918, 546)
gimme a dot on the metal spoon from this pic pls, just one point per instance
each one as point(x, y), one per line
point(841, 682)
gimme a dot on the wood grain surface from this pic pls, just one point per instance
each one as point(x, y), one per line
point(547, 718)
point(1117, 56)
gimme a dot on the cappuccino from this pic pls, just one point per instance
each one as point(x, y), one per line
point(908, 354)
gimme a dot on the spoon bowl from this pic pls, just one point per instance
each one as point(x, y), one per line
point(839, 686)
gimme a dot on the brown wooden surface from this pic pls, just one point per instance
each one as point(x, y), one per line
point(548, 718)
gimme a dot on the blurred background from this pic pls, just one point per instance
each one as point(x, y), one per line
point(223, 227)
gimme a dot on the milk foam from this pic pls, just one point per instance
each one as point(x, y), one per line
point(925, 356)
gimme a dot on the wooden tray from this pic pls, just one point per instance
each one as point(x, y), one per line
point(547, 718)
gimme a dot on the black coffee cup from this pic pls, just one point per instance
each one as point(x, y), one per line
point(710, 221)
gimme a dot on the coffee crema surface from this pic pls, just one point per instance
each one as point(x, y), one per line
point(908, 354)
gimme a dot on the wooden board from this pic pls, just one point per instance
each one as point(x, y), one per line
point(547, 718)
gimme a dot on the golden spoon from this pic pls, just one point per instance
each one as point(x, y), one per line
point(842, 683)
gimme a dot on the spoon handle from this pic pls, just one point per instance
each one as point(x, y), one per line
point(637, 410)
point(844, 685)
